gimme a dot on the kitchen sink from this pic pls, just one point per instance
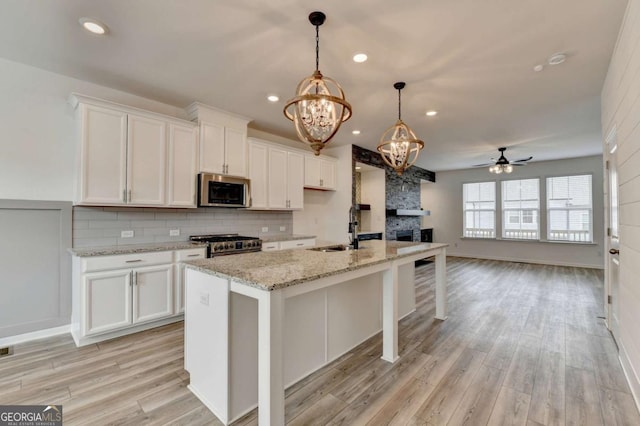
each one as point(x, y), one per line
point(339, 247)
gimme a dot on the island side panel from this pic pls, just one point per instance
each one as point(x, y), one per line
point(207, 340)
point(406, 289)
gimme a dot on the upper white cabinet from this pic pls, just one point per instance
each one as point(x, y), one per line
point(133, 157)
point(277, 176)
point(223, 140)
point(319, 172)
point(183, 165)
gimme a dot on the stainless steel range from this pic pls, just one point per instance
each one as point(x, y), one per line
point(223, 244)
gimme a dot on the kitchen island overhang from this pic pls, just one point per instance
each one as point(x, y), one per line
point(270, 278)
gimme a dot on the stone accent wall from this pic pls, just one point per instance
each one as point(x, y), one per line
point(102, 226)
point(402, 192)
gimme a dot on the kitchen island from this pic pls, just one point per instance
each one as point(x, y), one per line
point(259, 321)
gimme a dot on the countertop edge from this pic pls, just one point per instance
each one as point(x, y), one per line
point(134, 248)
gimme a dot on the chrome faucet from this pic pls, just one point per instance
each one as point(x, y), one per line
point(353, 226)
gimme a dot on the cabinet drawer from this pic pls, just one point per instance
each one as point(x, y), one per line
point(191, 254)
point(132, 260)
point(270, 246)
point(309, 242)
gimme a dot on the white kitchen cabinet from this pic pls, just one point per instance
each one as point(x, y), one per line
point(106, 301)
point(223, 150)
point(181, 256)
point(288, 244)
point(103, 166)
point(146, 161)
point(259, 174)
point(183, 165)
point(152, 293)
point(319, 172)
point(133, 157)
point(121, 294)
point(286, 177)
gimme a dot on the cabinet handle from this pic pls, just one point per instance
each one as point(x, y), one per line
point(133, 261)
point(135, 278)
point(130, 278)
point(300, 244)
point(129, 195)
point(193, 255)
point(124, 195)
point(321, 184)
point(614, 251)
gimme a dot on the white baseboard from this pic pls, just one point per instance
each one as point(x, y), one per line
point(630, 374)
point(536, 262)
point(35, 335)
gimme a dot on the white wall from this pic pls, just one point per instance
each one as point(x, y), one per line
point(444, 199)
point(373, 192)
point(621, 110)
point(37, 152)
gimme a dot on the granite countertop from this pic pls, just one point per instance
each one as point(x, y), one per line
point(274, 270)
point(133, 248)
point(284, 237)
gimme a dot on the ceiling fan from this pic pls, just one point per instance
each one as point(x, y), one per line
point(504, 165)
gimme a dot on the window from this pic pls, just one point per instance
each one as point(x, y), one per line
point(520, 209)
point(569, 208)
point(479, 205)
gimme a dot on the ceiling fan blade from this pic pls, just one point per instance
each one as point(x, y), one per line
point(522, 160)
point(483, 165)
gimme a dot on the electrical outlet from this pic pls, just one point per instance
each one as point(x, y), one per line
point(126, 234)
point(204, 299)
point(265, 229)
point(174, 232)
point(283, 228)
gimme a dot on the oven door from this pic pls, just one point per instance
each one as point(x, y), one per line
point(223, 191)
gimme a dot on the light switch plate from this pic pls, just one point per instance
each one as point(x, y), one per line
point(265, 229)
point(174, 232)
point(126, 234)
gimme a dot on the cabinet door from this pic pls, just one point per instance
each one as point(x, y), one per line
point(183, 156)
point(258, 174)
point(312, 171)
point(277, 187)
point(211, 148)
point(235, 152)
point(107, 301)
point(103, 164)
point(295, 180)
point(146, 161)
point(293, 244)
point(152, 293)
point(328, 174)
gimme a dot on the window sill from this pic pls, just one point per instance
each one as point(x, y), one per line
point(579, 243)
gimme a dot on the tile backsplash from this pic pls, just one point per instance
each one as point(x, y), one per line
point(103, 226)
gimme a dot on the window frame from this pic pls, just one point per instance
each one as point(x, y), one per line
point(494, 211)
point(520, 211)
point(549, 209)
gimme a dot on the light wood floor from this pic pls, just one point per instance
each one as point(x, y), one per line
point(523, 345)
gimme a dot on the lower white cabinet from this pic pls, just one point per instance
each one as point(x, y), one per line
point(122, 294)
point(288, 244)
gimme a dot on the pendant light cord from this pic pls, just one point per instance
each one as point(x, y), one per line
point(399, 103)
point(317, 47)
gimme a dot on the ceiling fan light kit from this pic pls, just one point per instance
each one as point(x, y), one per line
point(399, 147)
point(505, 166)
point(320, 106)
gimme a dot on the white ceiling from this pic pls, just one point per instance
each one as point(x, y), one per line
point(470, 60)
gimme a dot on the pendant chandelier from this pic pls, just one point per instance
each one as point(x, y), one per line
point(319, 107)
point(399, 146)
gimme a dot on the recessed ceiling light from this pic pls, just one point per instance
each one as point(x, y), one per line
point(557, 59)
point(93, 26)
point(356, 132)
point(432, 113)
point(358, 167)
point(273, 98)
point(538, 68)
point(360, 57)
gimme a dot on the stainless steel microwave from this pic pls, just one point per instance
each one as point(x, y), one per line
point(223, 191)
